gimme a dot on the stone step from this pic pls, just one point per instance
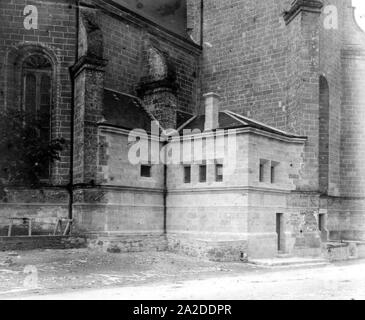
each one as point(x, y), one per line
point(282, 262)
point(284, 256)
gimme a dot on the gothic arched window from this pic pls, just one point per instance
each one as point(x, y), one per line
point(37, 94)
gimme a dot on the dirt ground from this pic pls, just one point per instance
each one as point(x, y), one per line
point(58, 270)
point(344, 281)
point(91, 274)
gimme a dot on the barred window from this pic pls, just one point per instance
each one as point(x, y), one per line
point(219, 172)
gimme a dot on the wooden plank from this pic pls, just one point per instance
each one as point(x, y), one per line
point(30, 227)
point(56, 228)
point(10, 227)
point(66, 229)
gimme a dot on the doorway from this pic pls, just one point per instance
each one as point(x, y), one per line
point(280, 230)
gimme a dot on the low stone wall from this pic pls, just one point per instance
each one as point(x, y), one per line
point(41, 242)
point(341, 251)
point(43, 206)
point(127, 242)
point(222, 251)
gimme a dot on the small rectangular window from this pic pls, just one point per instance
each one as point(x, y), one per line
point(187, 174)
point(203, 173)
point(262, 171)
point(273, 171)
point(219, 172)
point(321, 222)
point(146, 171)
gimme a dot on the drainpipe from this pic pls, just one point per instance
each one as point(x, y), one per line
point(165, 194)
point(165, 200)
point(201, 23)
point(71, 178)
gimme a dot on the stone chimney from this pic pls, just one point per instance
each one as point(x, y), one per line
point(211, 111)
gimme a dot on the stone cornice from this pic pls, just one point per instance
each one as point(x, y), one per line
point(298, 6)
point(146, 87)
point(109, 128)
point(103, 187)
point(87, 62)
point(210, 134)
point(244, 130)
point(229, 189)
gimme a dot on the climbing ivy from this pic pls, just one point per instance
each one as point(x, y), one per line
point(24, 156)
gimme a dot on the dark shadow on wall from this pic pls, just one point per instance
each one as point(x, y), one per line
point(170, 14)
point(324, 113)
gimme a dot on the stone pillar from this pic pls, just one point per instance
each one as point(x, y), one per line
point(303, 23)
point(194, 20)
point(158, 87)
point(161, 101)
point(88, 76)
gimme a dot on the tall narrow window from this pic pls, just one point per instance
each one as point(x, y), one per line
point(37, 96)
point(187, 174)
point(320, 222)
point(272, 174)
point(273, 171)
point(203, 173)
point(263, 170)
point(45, 106)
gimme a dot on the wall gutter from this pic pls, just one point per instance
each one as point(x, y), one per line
point(73, 96)
point(201, 23)
point(165, 201)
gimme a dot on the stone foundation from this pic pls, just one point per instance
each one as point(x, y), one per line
point(127, 243)
point(222, 251)
point(262, 245)
point(41, 242)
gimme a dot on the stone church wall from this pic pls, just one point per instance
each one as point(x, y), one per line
point(53, 33)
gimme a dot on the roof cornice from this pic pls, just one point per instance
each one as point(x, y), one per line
point(298, 6)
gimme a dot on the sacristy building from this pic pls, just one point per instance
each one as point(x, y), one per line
point(286, 76)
